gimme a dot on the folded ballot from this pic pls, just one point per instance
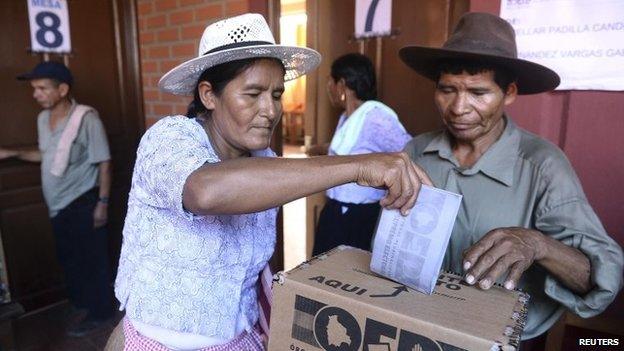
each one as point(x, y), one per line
point(410, 249)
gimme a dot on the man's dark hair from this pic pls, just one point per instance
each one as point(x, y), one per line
point(219, 76)
point(502, 77)
point(358, 73)
point(57, 83)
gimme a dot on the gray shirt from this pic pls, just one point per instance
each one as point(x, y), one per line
point(523, 180)
point(89, 149)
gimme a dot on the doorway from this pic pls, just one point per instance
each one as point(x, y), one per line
point(329, 30)
point(293, 26)
point(35, 278)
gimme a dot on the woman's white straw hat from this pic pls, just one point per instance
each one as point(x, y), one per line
point(237, 38)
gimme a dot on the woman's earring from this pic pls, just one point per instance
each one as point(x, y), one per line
point(342, 97)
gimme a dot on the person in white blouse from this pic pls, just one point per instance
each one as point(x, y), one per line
point(365, 126)
point(205, 190)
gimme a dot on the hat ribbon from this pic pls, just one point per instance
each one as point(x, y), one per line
point(238, 45)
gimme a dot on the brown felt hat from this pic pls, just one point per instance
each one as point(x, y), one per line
point(487, 38)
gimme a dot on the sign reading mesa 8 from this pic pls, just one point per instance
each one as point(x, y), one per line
point(49, 26)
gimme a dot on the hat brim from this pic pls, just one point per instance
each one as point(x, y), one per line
point(26, 76)
point(182, 79)
point(532, 78)
point(32, 76)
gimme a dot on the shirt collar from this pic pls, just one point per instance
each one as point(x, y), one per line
point(497, 162)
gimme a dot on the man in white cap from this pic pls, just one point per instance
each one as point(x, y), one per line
point(524, 221)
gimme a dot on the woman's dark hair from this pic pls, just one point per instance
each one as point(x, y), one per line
point(219, 76)
point(358, 73)
point(502, 77)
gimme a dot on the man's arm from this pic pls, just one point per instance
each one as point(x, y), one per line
point(100, 214)
point(6, 153)
point(30, 155)
point(567, 264)
point(514, 250)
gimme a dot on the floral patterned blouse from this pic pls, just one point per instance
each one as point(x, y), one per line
point(179, 271)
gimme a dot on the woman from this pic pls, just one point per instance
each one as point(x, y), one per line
point(365, 126)
point(201, 213)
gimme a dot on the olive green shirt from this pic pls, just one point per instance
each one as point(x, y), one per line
point(88, 150)
point(523, 180)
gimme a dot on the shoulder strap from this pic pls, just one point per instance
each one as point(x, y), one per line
point(61, 156)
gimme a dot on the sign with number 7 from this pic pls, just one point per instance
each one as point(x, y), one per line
point(373, 18)
point(49, 26)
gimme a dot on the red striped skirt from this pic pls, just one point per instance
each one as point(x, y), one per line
point(248, 341)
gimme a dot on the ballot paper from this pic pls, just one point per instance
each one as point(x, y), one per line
point(410, 249)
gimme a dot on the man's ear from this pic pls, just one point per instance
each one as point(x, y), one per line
point(63, 89)
point(206, 95)
point(511, 93)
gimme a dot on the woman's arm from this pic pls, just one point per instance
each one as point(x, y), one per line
point(254, 184)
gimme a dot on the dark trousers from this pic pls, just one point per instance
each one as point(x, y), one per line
point(83, 254)
point(355, 227)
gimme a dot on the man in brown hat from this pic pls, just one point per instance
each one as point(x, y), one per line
point(525, 221)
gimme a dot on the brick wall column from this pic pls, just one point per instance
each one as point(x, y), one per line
point(169, 33)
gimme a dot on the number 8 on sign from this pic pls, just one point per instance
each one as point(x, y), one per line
point(48, 34)
point(49, 26)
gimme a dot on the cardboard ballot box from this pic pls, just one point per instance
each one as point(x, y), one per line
point(334, 302)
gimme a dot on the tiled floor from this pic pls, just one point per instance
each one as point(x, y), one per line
point(45, 331)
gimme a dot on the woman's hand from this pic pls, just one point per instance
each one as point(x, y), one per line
point(395, 172)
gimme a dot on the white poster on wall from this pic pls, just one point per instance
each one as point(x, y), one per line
point(373, 18)
point(49, 26)
point(582, 40)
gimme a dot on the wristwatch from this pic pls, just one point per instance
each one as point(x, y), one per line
point(103, 199)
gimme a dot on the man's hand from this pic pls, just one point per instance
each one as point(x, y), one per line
point(395, 172)
point(4, 153)
point(100, 215)
point(508, 251)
